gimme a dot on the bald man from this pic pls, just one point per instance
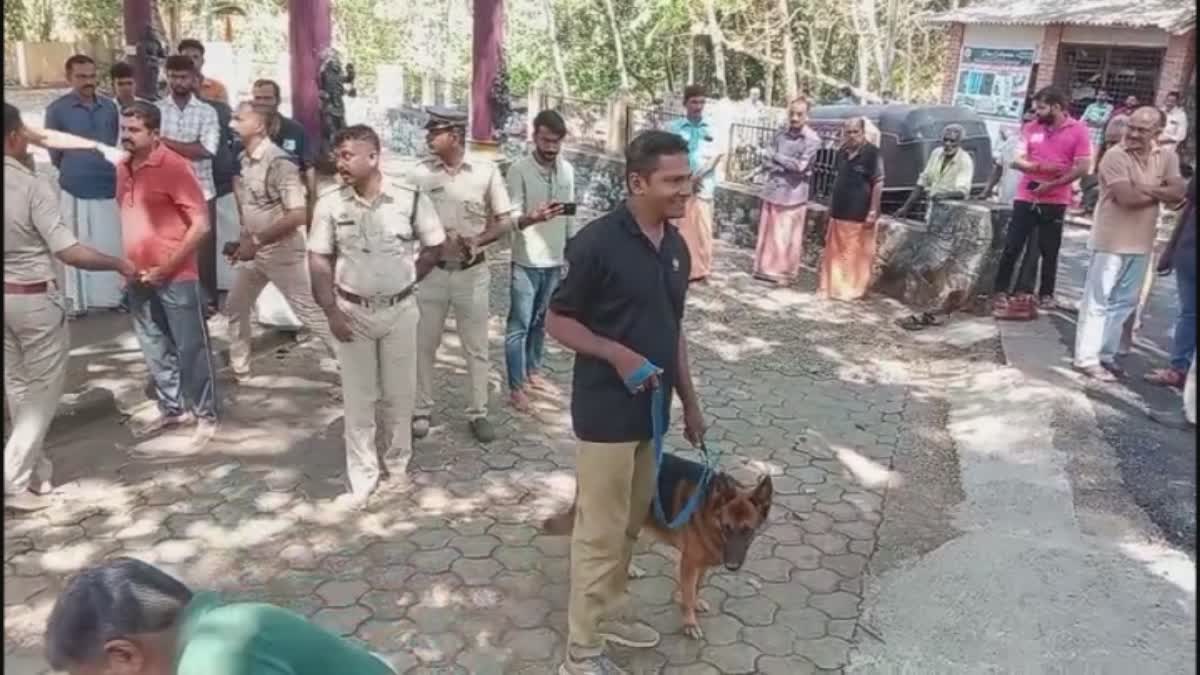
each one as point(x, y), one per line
point(1136, 178)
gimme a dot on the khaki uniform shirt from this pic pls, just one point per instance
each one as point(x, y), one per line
point(1122, 229)
point(376, 244)
point(467, 199)
point(33, 228)
point(270, 185)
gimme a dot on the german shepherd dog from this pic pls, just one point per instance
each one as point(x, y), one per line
point(720, 530)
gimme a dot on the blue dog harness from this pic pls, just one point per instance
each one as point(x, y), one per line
point(675, 465)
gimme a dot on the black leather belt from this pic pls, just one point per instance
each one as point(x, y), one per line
point(459, 265)
point(378, 301)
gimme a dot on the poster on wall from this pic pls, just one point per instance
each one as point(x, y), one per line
point(994, 82)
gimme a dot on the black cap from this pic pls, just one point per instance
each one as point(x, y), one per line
point(442, 117)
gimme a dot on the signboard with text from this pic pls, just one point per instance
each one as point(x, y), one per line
point(993, 81)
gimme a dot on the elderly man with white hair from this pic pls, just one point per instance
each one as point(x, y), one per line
point(947, 174)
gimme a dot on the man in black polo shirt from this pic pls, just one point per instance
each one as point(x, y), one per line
point(619, 305)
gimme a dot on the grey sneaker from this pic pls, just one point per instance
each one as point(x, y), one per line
point(482, 429)
point(592, 665)
point(629, 634)
point(26, 502)
point(420, 426)
point(42, 487)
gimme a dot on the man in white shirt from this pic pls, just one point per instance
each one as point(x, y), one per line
point(1176, 129)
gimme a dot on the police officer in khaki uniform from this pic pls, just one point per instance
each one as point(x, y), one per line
point(371, 241)
point(273, 204)
point(36, 343)
point(473, 204)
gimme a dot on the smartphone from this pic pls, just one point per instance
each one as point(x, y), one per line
point(568, 209)
point(229, 249)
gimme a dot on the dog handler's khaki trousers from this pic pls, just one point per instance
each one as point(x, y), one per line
point(616, 485)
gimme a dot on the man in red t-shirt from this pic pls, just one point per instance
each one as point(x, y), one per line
point(1056, 151)
point(163, 220)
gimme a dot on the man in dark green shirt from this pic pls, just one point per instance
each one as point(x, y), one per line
point(125, 616)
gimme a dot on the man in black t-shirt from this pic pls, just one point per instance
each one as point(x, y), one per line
point(620, 304)
point(854, 210)
point(288, 134)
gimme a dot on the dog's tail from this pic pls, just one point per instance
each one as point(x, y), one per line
point(561, 523)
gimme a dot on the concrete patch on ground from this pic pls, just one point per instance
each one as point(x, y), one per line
point(1036, 582)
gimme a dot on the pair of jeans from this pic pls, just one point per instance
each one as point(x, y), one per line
point(1036, 229)
point(525, 334)
point(170, 327)
point(1110, 295)
point(1184, 342)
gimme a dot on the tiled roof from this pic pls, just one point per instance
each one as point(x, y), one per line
point(1173, 16)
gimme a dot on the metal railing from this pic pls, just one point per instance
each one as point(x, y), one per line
point(748, 147)
point(638, 119)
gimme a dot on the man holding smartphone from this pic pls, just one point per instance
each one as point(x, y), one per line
point(1056, 151)
point(542, 187)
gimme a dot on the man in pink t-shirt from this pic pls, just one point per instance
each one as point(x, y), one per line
point(1056, 151)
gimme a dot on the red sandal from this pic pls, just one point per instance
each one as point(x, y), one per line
point(1167, 377)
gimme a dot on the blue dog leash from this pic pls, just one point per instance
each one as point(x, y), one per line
point(658, 417)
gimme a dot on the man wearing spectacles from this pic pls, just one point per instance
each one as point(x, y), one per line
point(1136, 178)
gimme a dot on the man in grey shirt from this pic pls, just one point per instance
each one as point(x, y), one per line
point(541, 186)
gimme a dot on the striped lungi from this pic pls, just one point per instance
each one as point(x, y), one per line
point(96, 223)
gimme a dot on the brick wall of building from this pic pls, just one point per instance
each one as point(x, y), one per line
point(1178, 63)
point(950, 59)
point(1048, 59)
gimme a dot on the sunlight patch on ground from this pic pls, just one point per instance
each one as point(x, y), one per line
point(1165, 563)
point(866, 471)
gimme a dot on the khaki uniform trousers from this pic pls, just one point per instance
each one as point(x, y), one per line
point(36, 349)
point(288, 270)
point(616, 486)
point(378, 366)
point(466, 292)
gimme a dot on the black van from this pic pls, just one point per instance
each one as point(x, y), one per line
point(908, 135)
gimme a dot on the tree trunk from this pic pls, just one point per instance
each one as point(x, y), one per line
point(768, 89)
point(791, 86)
point(718, 45)
point(691, 54)
point(886, 77)
point(555, 51)
point(908, 65)
point(616, 33)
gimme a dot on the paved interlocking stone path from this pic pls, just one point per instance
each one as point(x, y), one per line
point(452, 574)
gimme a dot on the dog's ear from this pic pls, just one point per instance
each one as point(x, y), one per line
point(724, 488)
point(761, 497)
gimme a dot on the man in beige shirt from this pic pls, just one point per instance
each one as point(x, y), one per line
point(372, 240)
point(36, 343)
point(273, 210)
point(1136, 178)
point(475, 209)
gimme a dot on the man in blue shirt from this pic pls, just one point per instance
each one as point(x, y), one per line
point(88, 183)
point(696, 226)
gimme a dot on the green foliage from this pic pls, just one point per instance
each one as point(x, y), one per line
point(15, 20)
point(98, 19)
